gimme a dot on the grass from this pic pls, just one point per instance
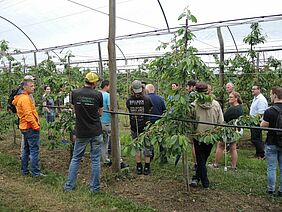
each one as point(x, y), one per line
point(49, 193)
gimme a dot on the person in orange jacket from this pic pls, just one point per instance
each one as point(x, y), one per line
point(30, 128)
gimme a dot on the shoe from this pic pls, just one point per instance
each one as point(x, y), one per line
point(40, 175)
point(108, 162)
point(279, 193)
point(271, 192)
point(123, 165)
point(213, 166)
point(234, 169)
point(147, 170)
point(194, 183)
point(139, 168)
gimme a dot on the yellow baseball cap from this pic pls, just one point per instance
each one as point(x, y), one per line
point(91, 77)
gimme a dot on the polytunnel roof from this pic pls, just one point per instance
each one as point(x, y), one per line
point(58, 23)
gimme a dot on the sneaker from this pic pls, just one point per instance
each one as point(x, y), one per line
point(147, 170)
point(213, 166)
point(279, 193)
point(139, 168)
point(234, 169)
point(108, 162)
point(271, 192)
point(123, 165)
point(194, 183)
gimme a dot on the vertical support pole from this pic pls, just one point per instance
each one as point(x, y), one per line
point(113, 86)
point(257, 61)
point(100, 61)
point(35, 59)
point(221, 65)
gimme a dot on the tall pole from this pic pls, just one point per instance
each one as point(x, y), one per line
point(35, 59)
point(221, 65)
point(113, 86)
point(100, 61)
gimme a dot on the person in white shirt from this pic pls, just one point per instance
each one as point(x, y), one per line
point(258, 106)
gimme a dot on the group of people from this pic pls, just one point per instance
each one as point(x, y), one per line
point(93, 127)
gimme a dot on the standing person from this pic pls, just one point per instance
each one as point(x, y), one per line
point(106, 122)
point(138, 103)
point(229, 87)
point(158, 109)
point(206, 110)
point(190, 87)
point(233, 112)
point(30, 128)
point(258, 106)
point(273, 151)
point(48, 108)
point(88, 106)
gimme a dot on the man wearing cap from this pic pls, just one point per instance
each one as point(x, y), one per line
point(138, 103)
point(88, 106)
point(205, 109)
point(29, 126)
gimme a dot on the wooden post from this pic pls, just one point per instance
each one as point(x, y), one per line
point(113, 87)
point(100, 61)
point(221, 65)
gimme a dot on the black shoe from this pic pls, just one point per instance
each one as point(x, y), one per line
point(139, 168)
point(194, 183)
point(279, 193)
point(147, 170)
point(123, 165)
point(271, 192)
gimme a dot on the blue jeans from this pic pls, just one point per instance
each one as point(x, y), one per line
point(78, 152)
point(273, 154)
point(30, 151)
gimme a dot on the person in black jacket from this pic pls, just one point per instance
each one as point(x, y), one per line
point(139, 103)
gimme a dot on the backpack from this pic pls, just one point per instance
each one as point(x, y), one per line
point(278, 125)
point(13, 93)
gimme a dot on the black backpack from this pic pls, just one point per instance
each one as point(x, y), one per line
point(10, 106)
point(278, 125)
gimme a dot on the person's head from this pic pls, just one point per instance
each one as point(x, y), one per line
point(47, 89)
point(174, 86)
point(28, 86)
point(202, 87)
point(29, 78)
point(91, 79)
point(229, 87)
point(209, 89)
point(234, 98)
point(137, 88)
point(255, 90)
point(150, 88)
point(276, 94)
point(105, 85)
point(190, 86)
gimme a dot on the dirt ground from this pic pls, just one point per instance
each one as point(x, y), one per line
point(162, 194)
